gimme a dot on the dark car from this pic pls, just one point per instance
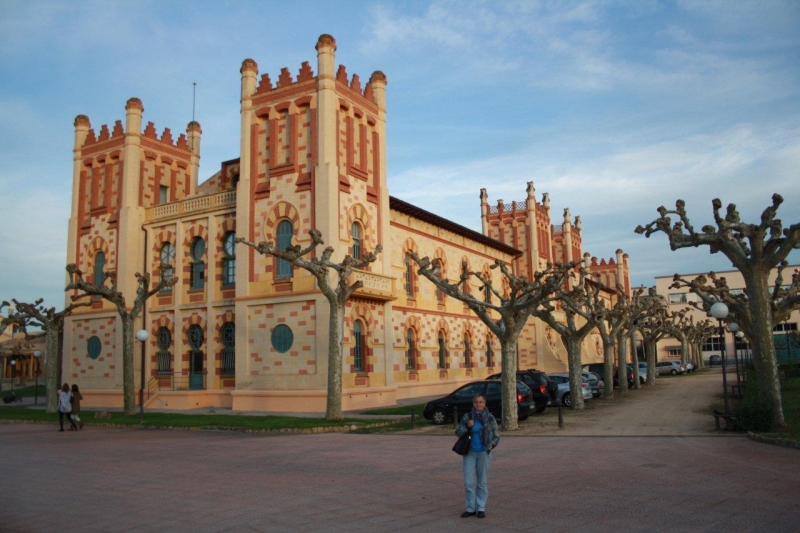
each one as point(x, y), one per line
point(714, 360)
point(598, 368)
point(441, 411)
point(537, 381)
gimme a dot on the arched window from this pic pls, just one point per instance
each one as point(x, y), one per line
point(197, 276)
point(442, 351)
point(235, 180)
point(358, 347)
point(284, 240)
point(196, 357)
point(228, 334)
point(167, 257)
point(355, 231)
point(489, 353)
point(467, 353)
point(164, 357)
point(229, 259)
point(99, 269)
point(409, 276)
point(410, 359)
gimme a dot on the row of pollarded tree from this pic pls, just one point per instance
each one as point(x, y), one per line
point(561, 288)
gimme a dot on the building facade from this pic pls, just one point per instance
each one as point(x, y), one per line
point(250, 332)
point(670, 348)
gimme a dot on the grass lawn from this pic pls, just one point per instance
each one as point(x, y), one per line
point(791, 405)
point(163, 420)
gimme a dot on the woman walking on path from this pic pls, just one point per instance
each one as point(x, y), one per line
point(483, 426)
point(76, 405)
point(65, 407)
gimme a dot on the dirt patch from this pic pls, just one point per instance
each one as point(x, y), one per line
point(678, 405)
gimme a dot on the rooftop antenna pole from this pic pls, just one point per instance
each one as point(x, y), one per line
point(194, 93)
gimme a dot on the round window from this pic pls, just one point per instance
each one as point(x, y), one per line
point(282, 338)
point(94, 347)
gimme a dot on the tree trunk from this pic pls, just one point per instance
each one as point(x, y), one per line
point(51, 368)
point(333, 410)
point(575, 373)
point(650, 349)
point(608, 368)
point(684, 351)
point(509, 383)
point(621, 358)
point(764, 361)
point(128, 385)
point(637, 384)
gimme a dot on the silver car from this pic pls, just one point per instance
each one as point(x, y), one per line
point(563, 388)
point(670, 367)
point(595, 383)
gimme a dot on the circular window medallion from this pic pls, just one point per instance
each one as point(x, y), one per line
point(282, 338)
point(94, 347)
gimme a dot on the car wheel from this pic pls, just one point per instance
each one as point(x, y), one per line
point(540, 407)
point(567, 400)
point(674, 372)
point(523, 417)
point(641, 380)
point(439, 417)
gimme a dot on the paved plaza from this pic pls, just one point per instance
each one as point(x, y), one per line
point(107, 479)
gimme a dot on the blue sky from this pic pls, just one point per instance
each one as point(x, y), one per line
point(614, 108)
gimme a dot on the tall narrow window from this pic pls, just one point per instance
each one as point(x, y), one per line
point(358, 348)
point(163, 194)
point(410, 359)
point(164, 357)
point(284, 238)
point(355, 231)
point(167, 257)
point(442, 351)
point(467, 353)
point(489, 353)
point(409, 276)
point(487, 294)
point(99, 268)
point(196, 357)
point(229, 259)
point(197, 280)
point(228, 334)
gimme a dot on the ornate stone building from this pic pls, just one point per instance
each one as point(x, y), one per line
point(250, 332)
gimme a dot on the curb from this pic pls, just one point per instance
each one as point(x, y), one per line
point(301, 431)
point(776, 441)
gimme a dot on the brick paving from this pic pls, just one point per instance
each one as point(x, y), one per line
point(108, 479)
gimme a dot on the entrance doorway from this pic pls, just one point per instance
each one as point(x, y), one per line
point(196, 358)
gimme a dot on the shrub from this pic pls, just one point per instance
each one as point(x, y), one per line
point(755, 415)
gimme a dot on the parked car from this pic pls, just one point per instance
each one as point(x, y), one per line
point(563, 393)
point(643, 372)
point(594, 383)
point(714, 360)
point(440, 411)
point(599, 368)
point(537, 381)
point(670, 367)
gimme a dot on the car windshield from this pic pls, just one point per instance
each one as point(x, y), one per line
point(468, 391)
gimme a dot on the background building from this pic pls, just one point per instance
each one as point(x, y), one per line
point(677, 299)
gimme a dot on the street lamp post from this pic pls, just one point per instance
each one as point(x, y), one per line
point(734, 328)
point(37, 354)
point(740, 335)
point(142, 335)
point(13, 374)
point(719, 311)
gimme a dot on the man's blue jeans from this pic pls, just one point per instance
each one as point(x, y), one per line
point(476, 480)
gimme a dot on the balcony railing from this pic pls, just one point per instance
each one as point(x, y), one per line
point(192, 205)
